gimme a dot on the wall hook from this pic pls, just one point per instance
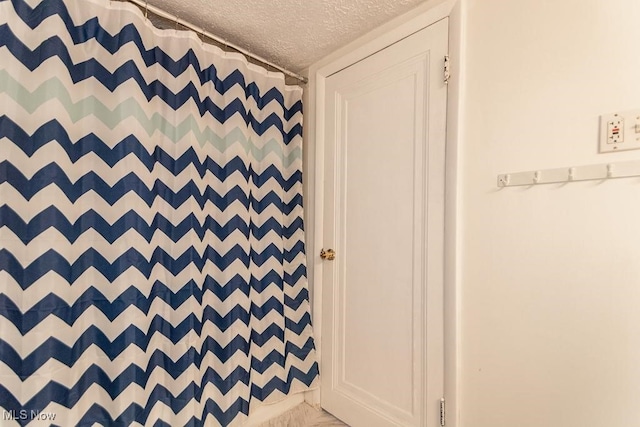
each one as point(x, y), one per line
point(571, 174)
point(536, 177)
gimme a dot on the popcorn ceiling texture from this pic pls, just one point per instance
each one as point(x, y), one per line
point(291, 33)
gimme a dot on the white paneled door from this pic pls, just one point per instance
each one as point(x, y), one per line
point(382, 295)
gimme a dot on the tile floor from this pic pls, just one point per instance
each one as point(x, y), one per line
point(305, 416)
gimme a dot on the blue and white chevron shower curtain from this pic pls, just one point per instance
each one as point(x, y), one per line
point(152, 265)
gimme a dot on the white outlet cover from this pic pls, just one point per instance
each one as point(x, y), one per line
point(628, 139)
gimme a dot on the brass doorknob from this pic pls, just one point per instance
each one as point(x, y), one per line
point(329, 254)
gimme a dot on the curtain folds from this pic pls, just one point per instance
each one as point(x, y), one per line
point(152, 259)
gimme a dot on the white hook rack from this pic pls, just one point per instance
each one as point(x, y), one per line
point(571, 174)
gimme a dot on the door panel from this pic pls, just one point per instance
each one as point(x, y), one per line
point(384, 190)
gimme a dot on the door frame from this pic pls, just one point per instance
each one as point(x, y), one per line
point(378, 39)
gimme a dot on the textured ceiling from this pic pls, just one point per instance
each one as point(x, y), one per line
point(291, 33)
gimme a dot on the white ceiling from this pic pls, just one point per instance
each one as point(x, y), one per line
point(291, 33)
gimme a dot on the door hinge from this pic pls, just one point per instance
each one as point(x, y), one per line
point(447, 69)
point(442, 412)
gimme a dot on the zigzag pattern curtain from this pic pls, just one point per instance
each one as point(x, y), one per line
point(152, 265)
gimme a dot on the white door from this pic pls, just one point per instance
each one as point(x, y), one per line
point(382, 295)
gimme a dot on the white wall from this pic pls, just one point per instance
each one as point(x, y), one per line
point(550, 275)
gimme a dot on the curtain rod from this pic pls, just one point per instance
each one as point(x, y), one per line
point(146, 7)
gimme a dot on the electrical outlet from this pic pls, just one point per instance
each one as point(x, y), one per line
point(615, 130)
point(620, 131)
